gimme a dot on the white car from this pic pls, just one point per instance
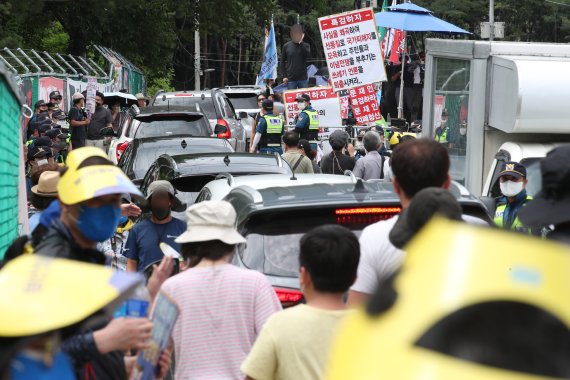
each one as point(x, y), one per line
point(244, 100)
point(219, 188)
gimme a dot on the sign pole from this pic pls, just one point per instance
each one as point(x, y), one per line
point(401, 95)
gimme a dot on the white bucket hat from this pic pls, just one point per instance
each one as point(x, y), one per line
point(211, 220)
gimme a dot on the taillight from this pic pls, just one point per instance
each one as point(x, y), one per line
point(288, 297)
point(364, 215)
point(367, 210)
point(228, 133)
point(121, 148)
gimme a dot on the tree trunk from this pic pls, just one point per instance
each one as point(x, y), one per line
point(224, 43)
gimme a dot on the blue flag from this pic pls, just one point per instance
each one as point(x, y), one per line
point(269, 66)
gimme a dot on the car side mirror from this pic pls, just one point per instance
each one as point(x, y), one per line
point(219, 129)
point(242, 115)
point(490, 204)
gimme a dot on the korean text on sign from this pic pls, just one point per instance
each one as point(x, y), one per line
point(323, 100)
point(364, 104)
point(352, 49)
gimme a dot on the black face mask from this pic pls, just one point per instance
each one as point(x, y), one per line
point(160, 213)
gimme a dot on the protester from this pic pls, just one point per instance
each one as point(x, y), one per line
point(416, 165)
point(114, 248)
point(408, 95)
point(141, 100)
point(294, 55)
point(512, 181)
point(338, 162)
point(307, 122)
point(299, 163)
point(42, 195)
point(551, 206)
point(372, 165)
point(417, 99)
point(305, 149)
point(294, 343)
point(89, 194)
point(78, 121)
point(222, 307)
point(116, 116)
point(99, 120)
point(268, 131)
point(258, 116)
point(143, 245)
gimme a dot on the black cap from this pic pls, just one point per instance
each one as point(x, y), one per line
point(305, 145)
point(43, 126)
point(552, 204)
point(52, 106)
point(42, 141)
point(426, 203)
point(338, 139)
point(59, 114)
point(55, 95)
point(56, 132)
point(303, 98)
point(39, 152)
point(267, 104)
point(513, 169)
point(40, 103)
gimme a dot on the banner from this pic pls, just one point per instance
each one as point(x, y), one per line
point(269, 66)
point(398, 46)
point(364, 104)
point(90, 98)
point(344, 103)
point(49, 84)
point(352, 49)
point(324, 101)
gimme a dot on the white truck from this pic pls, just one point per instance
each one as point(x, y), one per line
point(506, 101)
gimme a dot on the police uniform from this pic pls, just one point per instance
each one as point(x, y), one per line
point(307, 123)
point(271, 128)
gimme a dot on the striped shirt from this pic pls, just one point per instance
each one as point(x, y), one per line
point(222, 310)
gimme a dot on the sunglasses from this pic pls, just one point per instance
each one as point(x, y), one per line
point(260, 99)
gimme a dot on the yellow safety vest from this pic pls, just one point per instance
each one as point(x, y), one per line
point(273, 131)
point(517, 224)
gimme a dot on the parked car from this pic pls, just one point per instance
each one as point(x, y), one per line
point(215, 105)
point(188, 173)
point(142, 152)
point(157, 122)
point(273, 219)
point(244, 100)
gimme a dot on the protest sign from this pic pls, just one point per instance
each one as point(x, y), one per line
point(352, 49)
point(323, 100)
point(90, 98)
point(364, 104)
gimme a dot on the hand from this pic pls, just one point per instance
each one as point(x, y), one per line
point(130, 362)
point(122, 334)
point(131, 210)
point(160, 273)
point(164, 363)
point(285, 80)
point(350, 149)
point(87, 121)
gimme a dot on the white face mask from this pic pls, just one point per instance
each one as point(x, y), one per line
point(301, 105)
point(511, 189)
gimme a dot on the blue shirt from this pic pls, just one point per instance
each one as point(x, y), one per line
point(145, 237)
point(24, 366)
point(303, 121)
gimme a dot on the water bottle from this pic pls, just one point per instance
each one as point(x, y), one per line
point(136, 306)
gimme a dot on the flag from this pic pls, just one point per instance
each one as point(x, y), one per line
point(269, 66)
point(398, 46)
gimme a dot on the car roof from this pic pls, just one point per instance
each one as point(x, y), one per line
point(197, 94)
point(179, 139)
point(189, 164)
point(254, 90)
point(165, 110)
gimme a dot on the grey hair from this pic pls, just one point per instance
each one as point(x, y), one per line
point(371, 141)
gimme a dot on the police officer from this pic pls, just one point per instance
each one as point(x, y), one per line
point(268, 131)
point(307, 123)
point(442, 132)
point(513, 183)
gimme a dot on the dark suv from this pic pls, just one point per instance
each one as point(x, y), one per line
point(215, 105)
point(273, 220)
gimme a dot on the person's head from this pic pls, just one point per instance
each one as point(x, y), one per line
point(260, 99)
point(305, 148)
point(291, 139)
point(45, 191)
point(512, 179)
point(39, 156)
point(371, 141)
point(40, 106)
point(418, 164)
point(267, 105)
point(55, 97)
point(141, 100)
point(422, 56)
point(99, 99)
point(297, 33)
point(303, 101)
point(162, 199)
point(444, 115)
point(78, 100)
point(90, 191)
point(328, 259)
point(338, 140)
point(116, 108)
point(211, 234)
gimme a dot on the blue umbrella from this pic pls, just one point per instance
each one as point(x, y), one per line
point(412, 18)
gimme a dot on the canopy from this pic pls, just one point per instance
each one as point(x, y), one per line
point(412, 18)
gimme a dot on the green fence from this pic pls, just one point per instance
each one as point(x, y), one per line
point(10, 104)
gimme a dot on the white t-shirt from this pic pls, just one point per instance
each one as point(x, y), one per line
point(378, 257)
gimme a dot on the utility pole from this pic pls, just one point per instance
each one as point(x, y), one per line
point(491, 20)
point(197, 49)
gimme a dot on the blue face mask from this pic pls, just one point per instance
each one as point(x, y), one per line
point(98, 224)
point(123, 220)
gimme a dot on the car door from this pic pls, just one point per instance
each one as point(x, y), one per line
point(229, 114)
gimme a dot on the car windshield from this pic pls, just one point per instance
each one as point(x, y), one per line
point(195, 103)
point(191, 125)
point(273, 239)
point(148, 153)
point(244, 101)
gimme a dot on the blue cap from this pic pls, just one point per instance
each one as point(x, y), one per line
point(513, 169)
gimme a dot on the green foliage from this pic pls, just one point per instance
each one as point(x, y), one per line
point(55, 39)
point(160, 83)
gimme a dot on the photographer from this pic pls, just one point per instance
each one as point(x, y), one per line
point(371, 166)
point(337, 161)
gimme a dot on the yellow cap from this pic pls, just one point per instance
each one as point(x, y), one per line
point(77, 156)
point(77, 186)
point(396, 136)
point(450, 266)
point(47, 294)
